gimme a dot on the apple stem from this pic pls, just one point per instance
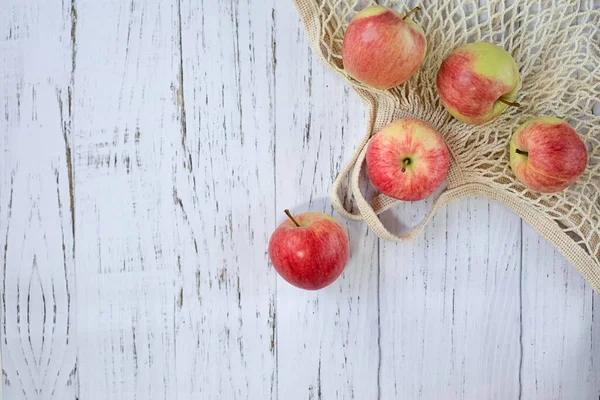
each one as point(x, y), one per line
point(411, 12)
point(509, 103)
point(524, 153)
point(287, 212)
point(405, 162)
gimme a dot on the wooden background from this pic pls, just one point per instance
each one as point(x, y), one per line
point(147, 151)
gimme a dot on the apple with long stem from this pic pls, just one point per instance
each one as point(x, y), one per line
point(382, 48)
point(309, 250)
point(477, 82)
point(547, 155)
point(407, 159)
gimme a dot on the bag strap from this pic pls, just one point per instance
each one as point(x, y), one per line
point(381, 203)
point(334, 193)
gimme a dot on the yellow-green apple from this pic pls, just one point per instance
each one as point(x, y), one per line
point(477, 82)
point(381, 48)
point(309, 250)
point(547, 155)
point(407, 159)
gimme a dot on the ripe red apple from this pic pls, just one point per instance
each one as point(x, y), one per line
point(309, 250)
point(477, 82)
point(407, 159)
point(381, 48)
point(547, 155)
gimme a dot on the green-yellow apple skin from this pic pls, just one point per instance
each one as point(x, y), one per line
point(381, 49)
point(473, 78)
point(547, 155)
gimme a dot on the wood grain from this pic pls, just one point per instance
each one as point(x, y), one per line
point(147, 151)
point(36, 233)
point(127, 125)
point(561, 326)
point(450, 304)
point(224, 176)
point(327, 340)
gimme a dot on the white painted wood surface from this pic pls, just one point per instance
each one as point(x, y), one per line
point(147, 151)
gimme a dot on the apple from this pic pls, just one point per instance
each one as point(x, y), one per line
point(407, 159)
point(381, 48)
point(477, 82)
point(309, 250)
point(547, 155)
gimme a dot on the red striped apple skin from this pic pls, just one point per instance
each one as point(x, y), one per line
point(556, 156)
point(473, 78)
point(414, 146)
point(313, 255)
point(381, 49)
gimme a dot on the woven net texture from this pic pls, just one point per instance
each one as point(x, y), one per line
point(556, 45)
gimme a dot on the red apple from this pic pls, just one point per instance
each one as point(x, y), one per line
point(477, 82)
point(547, 155)
point(309, 250)
point(407, 159)
point(381, 48)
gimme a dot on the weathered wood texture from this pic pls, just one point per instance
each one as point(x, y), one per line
point(561, 326)
point(147, 151)
point(224, 177)
point(126, 126)
point(450, 305)
point(327, 340)
point(39, 351)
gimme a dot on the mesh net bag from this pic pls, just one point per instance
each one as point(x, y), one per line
point(556, 45)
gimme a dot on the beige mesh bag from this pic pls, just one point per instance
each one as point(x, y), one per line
point(557, 47)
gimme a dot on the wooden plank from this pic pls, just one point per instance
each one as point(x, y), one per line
point(127, 122)
point(224, 177)
point(177, 140)
point(561, 326)
point(36, 233)
point(327, 340)
point(449, 304)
